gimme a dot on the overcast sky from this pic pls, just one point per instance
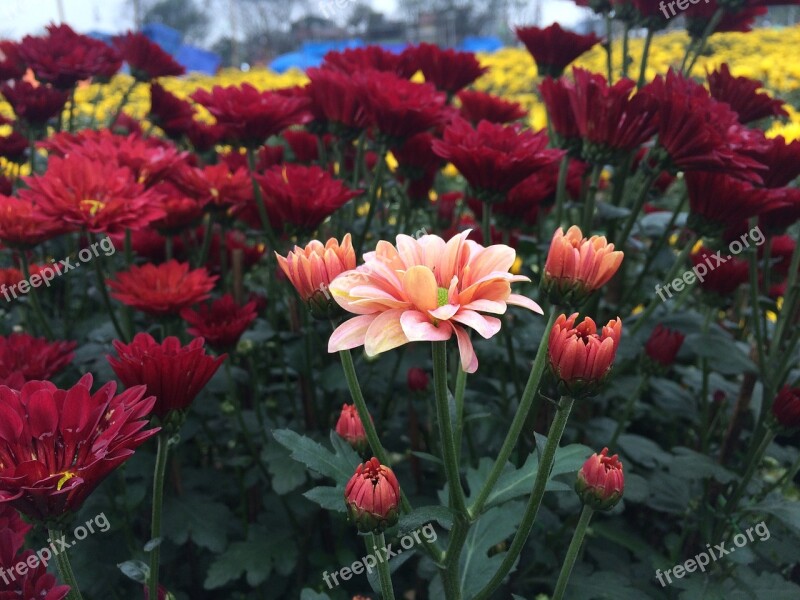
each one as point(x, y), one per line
point(21, 17)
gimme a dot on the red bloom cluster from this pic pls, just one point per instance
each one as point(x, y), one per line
point(248, 116)
point(174, 374)
point(480, 106)
point(553, 48)
point(146, 59)
point(25, 358)
point(164, 289)
point(221, 322)
point(449, 70)
point(494, 158)
point(34, 105)
point(742, 94)
point(663, 345)
point(57, 445)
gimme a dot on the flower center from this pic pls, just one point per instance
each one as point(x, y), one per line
point(65, 477)
point(442, 296)
point(92, 206)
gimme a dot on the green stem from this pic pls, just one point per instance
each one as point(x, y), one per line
point(237, 405)
point(609, 36)
point(378, 543)
point(65, 568)
point(707, 32)
point(535, 499)
point(645, 55)
point(655, 300)
point(158, 501)
point(627, 413)
point(638, 204)
point(101, 286)
point(461, 384)
point(561, 190)
point(122, 104)
point(34, 296)
point(517, 424)
point(588, 207)
point(377, 184)
point(449, 452)
point(756, 454)
point(486, 224)
point(756, 313)
point(625, 39)
point(262, 210)
point(788, 306)
point(572, 552)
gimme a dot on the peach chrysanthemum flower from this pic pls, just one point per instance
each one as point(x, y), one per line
point(426, 289)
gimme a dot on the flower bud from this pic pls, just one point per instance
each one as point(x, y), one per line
point(577, 266)
point(372, 496)
point(311, 270)
point(579, 357)
point(418, 379)
point(350, 427)
point(786, 407)
point(662, 347)
point(600, 481)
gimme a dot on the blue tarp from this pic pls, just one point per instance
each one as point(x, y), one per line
point(296, 60)
point(481, 44)
point(168, 38)
point(197, 59)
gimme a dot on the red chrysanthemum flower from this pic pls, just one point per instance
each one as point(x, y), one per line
point(22, 226)
point(743, 96)
point(13, 147)
point(719, 201)
point(33, 358)
point(97, 196)
point(553, 48)
point(738, 18)
point(725, 273)
point(693, 129)
point(304, 145)
point(353, 60)
point(174, 374)
point(336, 98)
point(57, 446)
point(250, 116)
point(218, 185)
point(418, 164)
point(204, 137)
point(302, 197)
point(494, 158)
point(35, 105)
point(399, 108)
point(610, 120)
point(350, 428)
point(164, 289)
point(786, 407)
point(174, 115)
point(480, 106)
point(782, 210)
point(11, 64)
point(449, 70)
point(63, 57)
point(663, 345)
point(783, 162)
point(221, 322)
point(146, 59)
point(600, 482)
point(181, 211)
point(556, 97)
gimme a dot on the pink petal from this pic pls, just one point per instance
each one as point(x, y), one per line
point(385, 333)
point(524, 302)
point(419, 284)
point(351, 333)
point(418, 328)
point(444, 313)
point(485, 326)
point(469, 360)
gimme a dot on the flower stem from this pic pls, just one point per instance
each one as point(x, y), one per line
point(262, 210)
point(122, 103)
point(158, 501)
point(375, 187)
point(378, 543)
point(588, 208)
point(461, 384)
point(535, 499)
point(628, 411)
point(572, 552)
point(561, 190)
point(701, 44)
point(449, 452)
point(609, 36)
point(517, 424)
point(645, 55)
point(65, 568)
point(101, 286)
point(486, 224)
point(37, 308)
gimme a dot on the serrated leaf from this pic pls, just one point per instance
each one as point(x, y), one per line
point(785, 510)
point(328, 497)
point(424, 515)
point(205, 521)
point(692, 465)
point(315, 456)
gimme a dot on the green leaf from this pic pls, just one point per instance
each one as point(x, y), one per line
point(423, 515)
point(642, 450)
point(328, 497)
point(136, 570)
point(493, 527)
point(601, 585)
point(286, 477)
point(309, 594)
point(316, 457)
point(692, 465)
point(205, 521)
point(725, 355)
point(785, 510)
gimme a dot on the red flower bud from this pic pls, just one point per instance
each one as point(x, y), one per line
point(663, 345)
point(600, 482)
point(418, 379)
point(350, 427)
point(372, 496)
point(579, 357)
point(786, 407)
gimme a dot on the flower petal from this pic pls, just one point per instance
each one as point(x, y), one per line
point(418, 328)
point(351, 333)
point(385, 333)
